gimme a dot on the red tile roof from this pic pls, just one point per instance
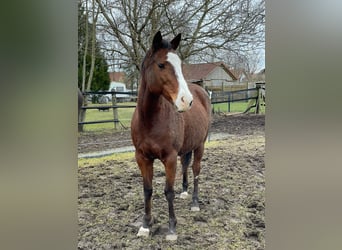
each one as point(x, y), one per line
point(117, 76)
point(198, 72)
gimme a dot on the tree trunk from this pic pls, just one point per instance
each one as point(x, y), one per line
point(93, 46)
point(82, 112)
point(82, 115)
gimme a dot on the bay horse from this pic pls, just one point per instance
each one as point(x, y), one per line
point(171, 119)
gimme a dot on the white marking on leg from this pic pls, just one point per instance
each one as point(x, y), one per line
point(184, 96)
point(184, 195)
point(171, 237)
point(195, 209)
point(144, 232)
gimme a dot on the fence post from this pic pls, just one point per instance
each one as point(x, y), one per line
point(115, 110)
point(82, 113)
point(229, 98)
point(257, 101)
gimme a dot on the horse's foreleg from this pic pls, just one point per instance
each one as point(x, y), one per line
point(185, 161)
point(146, 168)
point(170, 171)
point(196, 168)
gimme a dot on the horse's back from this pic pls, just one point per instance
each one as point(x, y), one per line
point(196, 120)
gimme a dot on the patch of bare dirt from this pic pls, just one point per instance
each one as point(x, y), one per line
point(236, 124)
point(231, 193)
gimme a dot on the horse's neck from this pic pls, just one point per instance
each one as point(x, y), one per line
point(149, 105)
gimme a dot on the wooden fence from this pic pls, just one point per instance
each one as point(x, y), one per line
point(114, 106)
point(258, 94)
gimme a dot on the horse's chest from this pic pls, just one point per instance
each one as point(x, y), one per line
point(163, 137)
point(157, 141)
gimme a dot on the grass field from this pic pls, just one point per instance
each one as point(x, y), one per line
point(236, 107)
point(125, 114)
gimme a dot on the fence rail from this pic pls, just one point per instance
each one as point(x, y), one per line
point(111, 106)
point(257, 93)
point(233, 96)
point(114, 106)
point(133, 93)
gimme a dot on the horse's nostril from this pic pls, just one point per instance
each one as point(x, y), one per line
point(190, 103)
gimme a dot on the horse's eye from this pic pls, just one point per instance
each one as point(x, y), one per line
point(161, 65)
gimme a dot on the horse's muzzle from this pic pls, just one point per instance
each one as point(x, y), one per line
point(184, 104)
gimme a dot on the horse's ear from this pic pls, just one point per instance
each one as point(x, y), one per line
point(175, 41)
point(157, 41)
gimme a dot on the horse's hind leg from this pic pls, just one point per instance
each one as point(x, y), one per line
point(196, 168)
point(185, 161)
point(146, 168)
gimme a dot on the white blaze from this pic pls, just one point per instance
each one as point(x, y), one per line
point(184, 96)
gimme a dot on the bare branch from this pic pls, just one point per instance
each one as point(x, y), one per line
point(210, 29)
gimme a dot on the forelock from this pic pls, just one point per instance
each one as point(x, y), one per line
point(166, 44)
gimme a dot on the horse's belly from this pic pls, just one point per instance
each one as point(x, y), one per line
point(193, 139)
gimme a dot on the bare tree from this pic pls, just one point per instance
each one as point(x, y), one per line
point(95, 12)
point(82, 112)
point(211, 29)
point(250, 61)
point(86, 41)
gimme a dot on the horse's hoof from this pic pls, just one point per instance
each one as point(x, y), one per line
point(144, 232)
point(195, 209)
point(184, 195)
point(171, 237)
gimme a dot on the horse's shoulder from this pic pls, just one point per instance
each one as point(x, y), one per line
point(200, 93)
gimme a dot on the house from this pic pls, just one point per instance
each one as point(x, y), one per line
point(213, 76)
point(118, 87)
point(260, 76)
point(250, 78)
point(129, 80)
point(259, 80)
point(244, 77)
point(241, 75)
point(117, 83)
point(117, 76)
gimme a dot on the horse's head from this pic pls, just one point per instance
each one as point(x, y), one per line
point(163, 73)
